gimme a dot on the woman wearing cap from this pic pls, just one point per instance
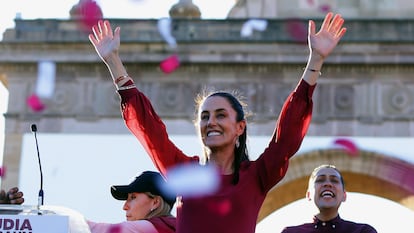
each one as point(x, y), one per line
point(147, 208)
point(222, 125)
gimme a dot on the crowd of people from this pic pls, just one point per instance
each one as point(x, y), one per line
point(222, 126)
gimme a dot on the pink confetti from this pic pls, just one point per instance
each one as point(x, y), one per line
point(2, 171)
point(348, 145)
point(89, 14)
point(325, 8)
point(297, 30)
point(35, 103)
point(170, 64)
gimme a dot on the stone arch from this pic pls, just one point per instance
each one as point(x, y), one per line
point(369, 173)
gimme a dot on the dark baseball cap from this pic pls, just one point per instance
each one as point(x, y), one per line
point(148, 181)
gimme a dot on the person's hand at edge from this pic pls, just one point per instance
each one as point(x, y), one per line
point(13, 196)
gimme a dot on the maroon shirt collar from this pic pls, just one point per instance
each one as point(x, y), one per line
point(333, 223)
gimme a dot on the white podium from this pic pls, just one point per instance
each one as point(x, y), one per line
point(45, 219)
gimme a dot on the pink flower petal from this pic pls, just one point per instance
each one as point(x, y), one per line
point(89, 14)
point(297, 30)
point(348, 145)
point(325, 8)
point(35, 103)
point(170, 64)
point(2, 171)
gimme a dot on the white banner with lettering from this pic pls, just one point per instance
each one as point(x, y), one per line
point(34, 224)
point(41, 219)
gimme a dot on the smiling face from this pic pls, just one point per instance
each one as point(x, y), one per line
point(326, 189)
point(218, 123)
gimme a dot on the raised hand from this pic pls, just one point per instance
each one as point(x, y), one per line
point(324, 41)
point(104, 40)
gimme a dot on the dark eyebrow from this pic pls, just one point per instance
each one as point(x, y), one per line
point(318, 176)
point(217, 110)
point(330, 176)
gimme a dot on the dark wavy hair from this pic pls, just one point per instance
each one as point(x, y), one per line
point(240, 153)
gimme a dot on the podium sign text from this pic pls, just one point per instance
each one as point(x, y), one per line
point(34, 224)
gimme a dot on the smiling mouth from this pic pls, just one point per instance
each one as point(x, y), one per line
point(327, 194)
point(209, 134)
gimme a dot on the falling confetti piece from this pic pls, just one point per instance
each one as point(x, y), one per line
point(348, 145)
point(164, 28)
point(297, 30)
point(2, 171)
point(307, 4)
point(35, 103)
point(325, 8)
point(192, 180)
point(170, 64)
point(253, 24)
point(45, 83)
point(89, 13)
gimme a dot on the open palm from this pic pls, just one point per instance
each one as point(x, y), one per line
point(328, 36)
point(104, 40)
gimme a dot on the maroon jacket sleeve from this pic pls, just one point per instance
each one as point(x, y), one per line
point(291, 128)
point(145, 124)
point(164, 224)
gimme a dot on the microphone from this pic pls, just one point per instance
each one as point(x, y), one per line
point(41, 196)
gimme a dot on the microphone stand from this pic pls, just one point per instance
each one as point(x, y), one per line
point(41, 194)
